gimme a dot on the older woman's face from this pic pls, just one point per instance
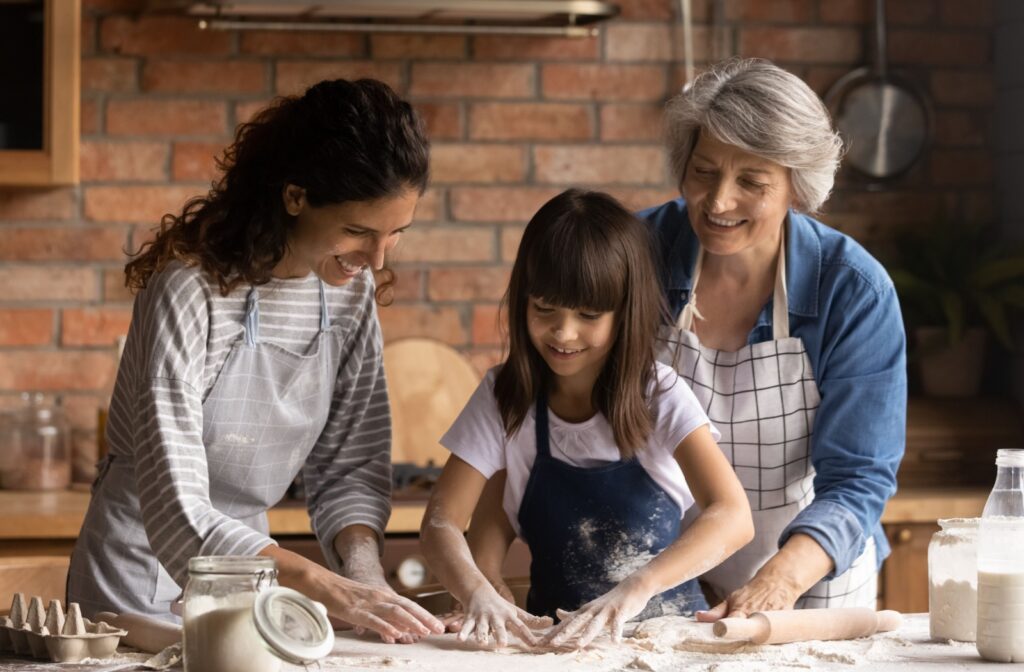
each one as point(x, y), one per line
point(736, 201)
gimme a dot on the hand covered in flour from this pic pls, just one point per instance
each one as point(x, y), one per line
point(453, 619)
point(489, 614)
point(382, 610)
point(406, 638)
point(610, 611)
point(762, 593)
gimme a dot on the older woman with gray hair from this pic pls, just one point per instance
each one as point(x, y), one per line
point(790, 334)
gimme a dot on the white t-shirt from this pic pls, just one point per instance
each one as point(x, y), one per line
point(478, 437)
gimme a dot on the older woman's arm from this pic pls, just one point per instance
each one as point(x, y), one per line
point(858, 442)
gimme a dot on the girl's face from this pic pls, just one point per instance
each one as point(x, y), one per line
point(574, 342)
point(737, 201)
point(338, 241)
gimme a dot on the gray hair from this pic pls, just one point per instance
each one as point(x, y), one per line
point(762, 109)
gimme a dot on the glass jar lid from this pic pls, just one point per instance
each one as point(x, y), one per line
point(231, 564)
point(958, 524)
point(295, 627)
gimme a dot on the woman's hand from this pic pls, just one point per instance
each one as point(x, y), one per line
point(610, 611)
point(378, 608)
point(762, 593)
point(489, 614)
point(370, 607)
point(799, 564)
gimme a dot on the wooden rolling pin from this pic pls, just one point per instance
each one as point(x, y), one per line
point(145, 633)
point(799, 625)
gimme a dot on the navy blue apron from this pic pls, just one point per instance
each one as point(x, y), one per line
point(588, 529)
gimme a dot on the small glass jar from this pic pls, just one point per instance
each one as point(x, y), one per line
point(219, 631)
point(953, 580)
point(237, 620)
point(39, 439)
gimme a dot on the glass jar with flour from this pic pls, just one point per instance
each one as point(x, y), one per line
point(1000, 568)
point(953, 580)
point(236, 619)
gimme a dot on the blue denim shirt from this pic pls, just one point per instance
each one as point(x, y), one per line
point(843, 306)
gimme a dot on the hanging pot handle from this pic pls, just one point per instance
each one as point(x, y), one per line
point(880, 40)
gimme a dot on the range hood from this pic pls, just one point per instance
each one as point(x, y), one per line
point(539, 17)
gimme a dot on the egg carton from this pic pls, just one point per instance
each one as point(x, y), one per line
point(52, 634)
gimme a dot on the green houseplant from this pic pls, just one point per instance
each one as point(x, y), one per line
point(957, 282)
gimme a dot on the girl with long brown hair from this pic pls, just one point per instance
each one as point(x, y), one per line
point(594, 450)
point(254, 353)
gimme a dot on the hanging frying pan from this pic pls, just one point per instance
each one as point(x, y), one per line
point(884, 119)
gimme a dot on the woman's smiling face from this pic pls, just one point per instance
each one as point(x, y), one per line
point(736, 201)
point(338, 241)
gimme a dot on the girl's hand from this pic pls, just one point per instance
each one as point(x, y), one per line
point(610, 611)
point(489, 614)
point(453, 619)
point(762, 593)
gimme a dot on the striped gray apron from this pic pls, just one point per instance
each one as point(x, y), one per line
point(260, 421)
point(763, 399)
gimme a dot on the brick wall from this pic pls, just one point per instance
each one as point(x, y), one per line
point(513, 120)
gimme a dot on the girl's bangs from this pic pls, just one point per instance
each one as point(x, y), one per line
point(567, 270)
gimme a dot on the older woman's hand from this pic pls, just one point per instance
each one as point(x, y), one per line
point(763, 593)
point(791, 572)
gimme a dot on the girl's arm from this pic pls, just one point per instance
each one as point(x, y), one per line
point(724, 525)
point(490, 534)
point(486, 613)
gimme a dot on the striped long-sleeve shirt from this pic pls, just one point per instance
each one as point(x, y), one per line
point(181, 334)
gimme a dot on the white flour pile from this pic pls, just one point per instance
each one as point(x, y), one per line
point(667, 644)
point(657, 645)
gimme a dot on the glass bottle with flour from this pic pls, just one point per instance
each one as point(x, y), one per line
point(236, 619)
point(1000, 570)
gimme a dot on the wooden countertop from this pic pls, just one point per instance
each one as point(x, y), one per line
point(58, 515)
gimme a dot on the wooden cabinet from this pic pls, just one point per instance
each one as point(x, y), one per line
point(903, 585)
point(39, 77)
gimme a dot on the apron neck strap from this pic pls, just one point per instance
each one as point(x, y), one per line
point(252, 317)
point(780, 298)
point(541, 422)
point(325, 321)
point(252, 313)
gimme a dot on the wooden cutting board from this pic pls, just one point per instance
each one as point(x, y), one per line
point(428, 382)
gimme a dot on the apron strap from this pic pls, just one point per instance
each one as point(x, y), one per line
point(252, 317)
point(780, 302)
point(325, 322)
point(541, 413)
point(780, 298)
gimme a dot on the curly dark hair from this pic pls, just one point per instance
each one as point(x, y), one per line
point(341, 141)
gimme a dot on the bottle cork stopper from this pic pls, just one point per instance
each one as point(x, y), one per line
point(17, 615)
point(75, 624)
point(35, 616)
point(55, 617)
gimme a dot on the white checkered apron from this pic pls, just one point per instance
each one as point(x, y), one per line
point(763, 399)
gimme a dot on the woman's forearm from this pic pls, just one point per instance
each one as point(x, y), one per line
point(799, 564)
point(296, 572)
point(359, 551)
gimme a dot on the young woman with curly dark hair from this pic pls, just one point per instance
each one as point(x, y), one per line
point(254, 353)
